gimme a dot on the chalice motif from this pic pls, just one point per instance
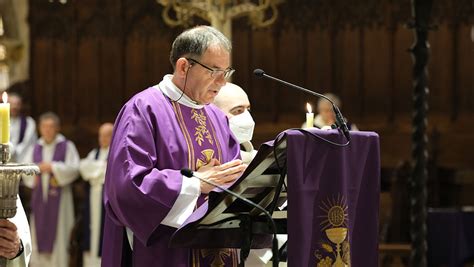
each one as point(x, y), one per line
point(335, 228)
point(337, 236)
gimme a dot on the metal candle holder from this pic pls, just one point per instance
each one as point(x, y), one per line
point(10, 175)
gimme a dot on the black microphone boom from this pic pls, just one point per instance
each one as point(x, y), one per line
point(189, 173)
point(340, 122)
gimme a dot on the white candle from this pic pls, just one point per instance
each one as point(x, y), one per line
point(309, 116)
point(4, 120)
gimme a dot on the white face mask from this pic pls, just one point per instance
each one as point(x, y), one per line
point(242, 126)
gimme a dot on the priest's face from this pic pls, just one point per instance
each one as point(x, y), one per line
point(48, 130)
point(202, 84)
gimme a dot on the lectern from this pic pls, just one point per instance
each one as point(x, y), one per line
point(332, 191)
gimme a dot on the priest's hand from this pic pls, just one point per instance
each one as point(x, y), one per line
point(221, 174)
point(9, 239)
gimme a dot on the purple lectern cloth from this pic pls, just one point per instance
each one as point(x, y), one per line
point(329, 188)
point(332, 190)
point(143, 179)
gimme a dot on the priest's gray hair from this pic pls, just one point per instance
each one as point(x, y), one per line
point(195, 41)
point(50, 116)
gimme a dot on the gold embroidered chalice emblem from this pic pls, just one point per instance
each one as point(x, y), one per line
point(335, 227)
point(337, 235)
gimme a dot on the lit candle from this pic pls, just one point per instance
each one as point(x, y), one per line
point(309, 116)
point(4, 120)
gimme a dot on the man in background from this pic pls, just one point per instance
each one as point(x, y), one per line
point(22, 129)
point(92, 170)
point(326, 117)
point(235, 103)
point(52, 205)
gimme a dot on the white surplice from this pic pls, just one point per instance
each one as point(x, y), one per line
point(19, 150)
point(65, 173)
point(93, 171)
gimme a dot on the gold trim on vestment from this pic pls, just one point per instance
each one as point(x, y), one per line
point(187, 137)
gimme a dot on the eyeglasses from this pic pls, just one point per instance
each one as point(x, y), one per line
point(215, 72)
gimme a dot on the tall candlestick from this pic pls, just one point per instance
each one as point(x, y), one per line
point(309, 116)
point(4, 120)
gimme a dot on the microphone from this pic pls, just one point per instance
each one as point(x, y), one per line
point(340, 122)
point(189, 173)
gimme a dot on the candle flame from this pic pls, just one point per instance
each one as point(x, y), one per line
point(5, 97)
point(309, 108)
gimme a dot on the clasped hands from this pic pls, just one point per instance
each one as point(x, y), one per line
point(221, 174)
point(45, 167)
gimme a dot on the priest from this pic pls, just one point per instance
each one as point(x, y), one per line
point(159, 131)
point(52, 206)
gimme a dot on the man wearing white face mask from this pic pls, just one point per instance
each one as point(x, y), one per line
point(235, 103)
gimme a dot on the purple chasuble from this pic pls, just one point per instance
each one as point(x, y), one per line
point(150, 145)
point(200, 134)
point(46, 211)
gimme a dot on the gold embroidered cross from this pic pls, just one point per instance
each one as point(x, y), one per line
point(217, 256)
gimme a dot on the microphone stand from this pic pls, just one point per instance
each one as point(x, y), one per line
point(340, 122)
point(243, 254)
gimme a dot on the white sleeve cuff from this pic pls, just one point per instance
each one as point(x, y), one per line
point(185, 204)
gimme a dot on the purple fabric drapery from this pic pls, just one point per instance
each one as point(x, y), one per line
point(333, 201)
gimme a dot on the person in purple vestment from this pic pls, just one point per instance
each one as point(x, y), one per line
point(158, 132)
point(52, 206)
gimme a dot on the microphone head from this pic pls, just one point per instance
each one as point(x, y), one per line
point(187, 172)
point(258, 72)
